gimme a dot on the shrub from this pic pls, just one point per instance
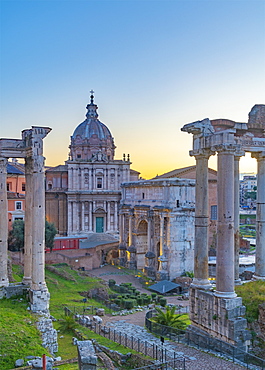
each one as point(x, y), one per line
point(139, 301)
point(163, 302)
point(129, 304)
point(153, 295)
point(112, 283)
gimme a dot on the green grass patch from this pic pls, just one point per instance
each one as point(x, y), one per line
point(253, 294)
point(19, 336)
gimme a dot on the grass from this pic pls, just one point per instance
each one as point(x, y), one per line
point(253, 294)
point(19, 336)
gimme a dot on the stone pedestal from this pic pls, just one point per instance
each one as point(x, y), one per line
point(39, 300)
point(122, 254)
point(87, 359)
point(218, 317)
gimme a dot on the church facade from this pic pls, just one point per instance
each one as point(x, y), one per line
point(83, 196)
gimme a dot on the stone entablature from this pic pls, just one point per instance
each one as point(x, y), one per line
point(157, 226)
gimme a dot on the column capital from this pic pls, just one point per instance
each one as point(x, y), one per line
point(3, 163)
point(258, 155)
point(226, 148)
point(201, 153)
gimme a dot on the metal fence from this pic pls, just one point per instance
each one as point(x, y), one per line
point(206, 343)
point(157, 352)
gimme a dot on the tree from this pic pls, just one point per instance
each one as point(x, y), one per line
point(67, 324)
point(169, 318)
point(50, 232)
point(16, 235)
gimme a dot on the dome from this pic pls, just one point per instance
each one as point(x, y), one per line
point(92, 140)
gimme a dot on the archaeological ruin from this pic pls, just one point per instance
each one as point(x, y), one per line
point(30, 147)
point(220, 312)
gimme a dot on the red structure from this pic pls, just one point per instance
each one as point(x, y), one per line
point(62, 243)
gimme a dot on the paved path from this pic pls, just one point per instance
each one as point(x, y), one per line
point(133, 324)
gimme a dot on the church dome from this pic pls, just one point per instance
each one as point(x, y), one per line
point(92, 140)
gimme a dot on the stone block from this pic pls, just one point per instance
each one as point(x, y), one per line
point(87, 358)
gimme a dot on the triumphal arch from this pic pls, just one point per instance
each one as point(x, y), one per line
point(220, 312)
point(29, 147)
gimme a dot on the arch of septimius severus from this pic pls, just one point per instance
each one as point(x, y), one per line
point(219, 313)
point(30, 147)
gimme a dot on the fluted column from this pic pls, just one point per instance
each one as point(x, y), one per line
point(108, 215)
point(3, 223)
point(83, 216)
point(260, 217)
point(27, 279)
point(225, 266)
point(237, 216)
point(90, 216)
point(161, 239)
point(201, 275)
point(130, 228)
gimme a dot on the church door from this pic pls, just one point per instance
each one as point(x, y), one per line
point(99, 224)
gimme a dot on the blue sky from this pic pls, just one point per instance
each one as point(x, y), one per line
point(154, 66)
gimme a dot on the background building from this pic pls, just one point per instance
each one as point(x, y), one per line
point(157, 226)
point(83, 196)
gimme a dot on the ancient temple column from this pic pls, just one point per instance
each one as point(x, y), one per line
point(236, 216)
point(27, 278)
point(260, 217)
point(3, 223)
point(90, 179)
point(201, 221)
point(225, 267)
point(38, 224)
point(70, 218)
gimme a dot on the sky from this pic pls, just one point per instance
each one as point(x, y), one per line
point(154, 66)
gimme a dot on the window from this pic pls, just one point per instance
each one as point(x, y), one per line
point(213, 212)
point(49, 186)
point(78, 155)
point(99, 182)
point(142, 195)
point(9, 186)
point(18, 205)
point(23, 187)
point(177, 203)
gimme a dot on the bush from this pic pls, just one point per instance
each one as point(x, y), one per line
point(163, 302)
point(129, 304)
point(139, 301)
point(153, 295)
point(112, 283)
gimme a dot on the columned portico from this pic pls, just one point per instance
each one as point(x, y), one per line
point(260, 217)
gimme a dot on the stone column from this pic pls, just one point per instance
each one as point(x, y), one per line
point(38, 224)
point(225, 266)
point(27, 279)
point(161, 239)
point(260, 217)
point(70, 217)
point(108, 216)
point(90, 216)
point(116, 222)
point(130, 227)
point(236, 216)
point(83, 216)
point(90, 179)
point(3, 223)
point(201, 275)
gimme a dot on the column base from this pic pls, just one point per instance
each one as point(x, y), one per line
point(201, 284)
point(238, 282)
point(4, 282)
point(225, 294)
point(26, 280)
point(257, 277)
